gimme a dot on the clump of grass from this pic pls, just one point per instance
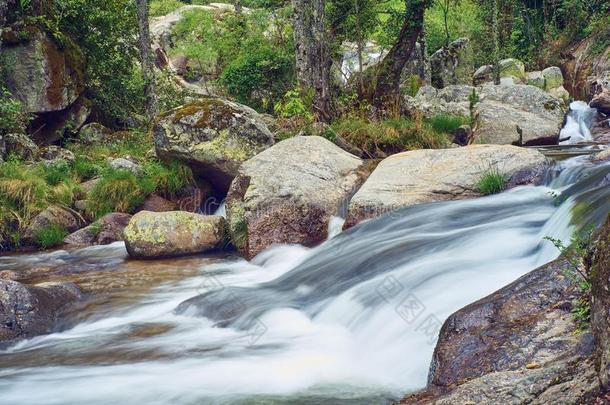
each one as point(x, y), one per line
point(50, 235)
point(447, 123)
point(85, 169)
point(57, 172)
point(116, 191)
point(165, 179)
point(378, 138)
point(492, 181)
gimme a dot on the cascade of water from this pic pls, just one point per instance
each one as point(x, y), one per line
point(578, 124)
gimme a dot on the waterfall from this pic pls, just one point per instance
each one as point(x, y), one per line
point(578, 124)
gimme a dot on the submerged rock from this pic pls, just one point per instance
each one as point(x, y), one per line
point(213, 136)
point(505, 114)
point(152, 235)
point(27, 311)
point(288, 193)
point(428, 175)
point(516, 346)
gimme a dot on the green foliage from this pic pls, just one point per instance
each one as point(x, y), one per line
point(106, 32)
point(259, 77)
point(463, 21)
point(388, 136)
point(295, 103)
point(13, 118)
point(163, 7)
point(85, 169)
point(116, 191)
point(491, 181)
point(447, 123)
point(579, 254)
point(252, 59)
point(57, 172)
point(49, 236)
point(165, 179)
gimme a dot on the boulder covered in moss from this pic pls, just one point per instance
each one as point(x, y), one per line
point(428, 175)
point(27, 311)
point(152, 235)
point(513, 68)
point(288, 193)
point(42, 76)
point(213, 136)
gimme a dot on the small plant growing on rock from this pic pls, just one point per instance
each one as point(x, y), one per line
point(49, 236)
point(492, 181)
point(579, 253)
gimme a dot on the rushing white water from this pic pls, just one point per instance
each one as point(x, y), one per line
point(577, 124)
point(353, 321)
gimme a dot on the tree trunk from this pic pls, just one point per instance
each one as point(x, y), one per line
point(146, 59)
point(389, 71)
point(496, 35)
point(313, 59)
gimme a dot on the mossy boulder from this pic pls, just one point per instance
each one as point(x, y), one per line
point(553, 78)
point(213, 136)
point(53, 215)
point(536, 79)
point(152, 235)
point(513, 68)
point(105, 230)
point(40, 74)
point(288, 193)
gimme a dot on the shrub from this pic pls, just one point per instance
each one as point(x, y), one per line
point(116, 191)
point(492, 181)
point(579, 254)
point(50, 236)
point(295, 103)
point(447, 123)
point(13, 118)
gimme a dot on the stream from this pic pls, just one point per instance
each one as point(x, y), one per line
point(352, 321)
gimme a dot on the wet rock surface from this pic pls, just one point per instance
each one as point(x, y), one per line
point(515, 346)
point(27, 311)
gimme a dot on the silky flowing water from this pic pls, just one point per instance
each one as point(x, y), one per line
point(352, 321)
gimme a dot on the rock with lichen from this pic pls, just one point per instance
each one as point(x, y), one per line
point(152, 235)
point(213, 136)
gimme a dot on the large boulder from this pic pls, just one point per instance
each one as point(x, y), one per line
point(42, 76)
point(553, 77)
point(288, 193)
point(27, 311)
point(518, 345)
point(105, 230)
point(453, 64)
point(513, 68)
point(504, 114)
point(213, 136)
point(428, 175)
point(19, 145)
point(152, 235)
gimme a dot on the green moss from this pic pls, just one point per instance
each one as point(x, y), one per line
point(238, 226)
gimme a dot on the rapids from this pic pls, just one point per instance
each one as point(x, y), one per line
point(352, 321)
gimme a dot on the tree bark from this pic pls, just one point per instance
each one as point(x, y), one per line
point(313, 59)
point(389, 71)
point(146, 59)
point(496, 35)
